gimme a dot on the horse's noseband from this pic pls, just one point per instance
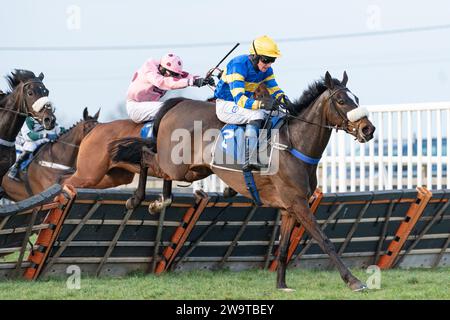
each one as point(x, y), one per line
point(346, 125)
point(24, 107)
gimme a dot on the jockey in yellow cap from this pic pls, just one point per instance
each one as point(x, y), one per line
point(234, 92)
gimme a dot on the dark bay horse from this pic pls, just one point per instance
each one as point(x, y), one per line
point(324, 106)
point(52, 161)
point(27, 94)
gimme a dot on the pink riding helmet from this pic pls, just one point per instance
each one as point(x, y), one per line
point(172, 62)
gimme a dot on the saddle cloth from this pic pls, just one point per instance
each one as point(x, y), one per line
point(147, 130)
point(229, 150)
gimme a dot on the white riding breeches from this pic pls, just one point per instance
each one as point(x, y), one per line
point(31, 146)
point(143, 111)
point(229, 112)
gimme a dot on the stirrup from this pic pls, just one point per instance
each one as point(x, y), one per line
point(152, 148)
point(252, 167)
point(14, 174)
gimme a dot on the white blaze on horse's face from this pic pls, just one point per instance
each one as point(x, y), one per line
point(352, 97)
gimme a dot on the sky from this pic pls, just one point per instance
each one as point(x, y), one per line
point(89, 50)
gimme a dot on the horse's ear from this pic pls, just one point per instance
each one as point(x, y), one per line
point(85, 114)
point(41, 76)
point(97, 114)
point(344, 79)
point(329, 81)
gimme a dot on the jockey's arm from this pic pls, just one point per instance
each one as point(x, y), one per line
point(28, 130)
point(272, 85)
point(58, 130)
point(34, 136)
point(236, 80)
point(168, 83)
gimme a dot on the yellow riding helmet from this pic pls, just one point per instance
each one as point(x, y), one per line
point(265, 46)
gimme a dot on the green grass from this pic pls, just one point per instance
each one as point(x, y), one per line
point(13, 257)
point(251, 284)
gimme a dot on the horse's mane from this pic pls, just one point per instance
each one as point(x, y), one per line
point(166, 107)
point(310, 95)
point(13, 80)
point(18, 76)
point(47, 146)
point(68, 130)
point(2, 95)
point(65, 133)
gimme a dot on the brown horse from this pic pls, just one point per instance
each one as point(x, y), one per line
point(15, 106)
point(324, 106)
point(52, 161)
point(94, 166)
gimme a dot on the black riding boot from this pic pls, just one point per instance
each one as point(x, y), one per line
point(152, 144)
point(251, 146)
point(152, 140)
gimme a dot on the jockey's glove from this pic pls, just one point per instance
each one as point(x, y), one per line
point(51, 136)
point(200, 82)
point(285, 100)
point(210, 81)
point(269, 104)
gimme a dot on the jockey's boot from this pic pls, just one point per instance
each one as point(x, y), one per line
point(251, 146)
point(151, 140)
point(14, 171)
point(151, 144)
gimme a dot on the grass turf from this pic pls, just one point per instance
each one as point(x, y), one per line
point(228, 285)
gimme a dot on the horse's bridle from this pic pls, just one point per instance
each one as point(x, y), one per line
point(23, 109)
point(345, 125)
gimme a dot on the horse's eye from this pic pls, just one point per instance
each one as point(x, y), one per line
point(340, 101)
point(30, 92)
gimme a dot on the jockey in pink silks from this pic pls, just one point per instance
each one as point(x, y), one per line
point(153, 80)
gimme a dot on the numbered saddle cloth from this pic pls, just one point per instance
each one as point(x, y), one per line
point(147, 130)
point(229, 149)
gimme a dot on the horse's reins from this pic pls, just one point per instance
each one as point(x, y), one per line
point(62, 142)
point(344, 126)
point(337, 110)
point(23, 108)
point(10, 144)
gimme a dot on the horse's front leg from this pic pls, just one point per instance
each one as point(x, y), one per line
point(304, 215)
point(287, 224)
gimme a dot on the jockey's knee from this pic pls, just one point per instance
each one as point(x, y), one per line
point(29, 147)
point(256, 123)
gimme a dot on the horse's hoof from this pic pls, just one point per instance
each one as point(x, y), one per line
point(229, 192)
point(155, 207)
point(358, 286)
point(167, 202)
point(129, 204)
point(286, 289)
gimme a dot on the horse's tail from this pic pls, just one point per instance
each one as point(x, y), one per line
point(128, 150)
